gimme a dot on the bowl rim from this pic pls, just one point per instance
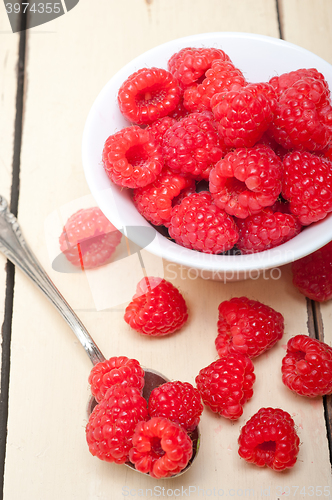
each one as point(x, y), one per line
point(160, 245)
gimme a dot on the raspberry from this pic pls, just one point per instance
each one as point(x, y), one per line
point(148, 94)
point(286, 80)
point(158, 128)
point(307, 367)
point(226, 384)
point(116, 370)
point(180, 402)
point(180, 111)
point(155, 201)
point(312, 275)
point(161, 448)
point(269, 439)
point(265, 230)
point(246, 180)
point(307, 185)
point(132, 158)
point(303, 116)
point(197, 223)
point(112, 423)
point(247, 327)
point(221, 77)
point(157, 308)
point(244, 114)
point(189, 64)
point(89, 239)
point(192, 146)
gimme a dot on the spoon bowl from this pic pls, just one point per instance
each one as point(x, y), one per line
point(16, 249)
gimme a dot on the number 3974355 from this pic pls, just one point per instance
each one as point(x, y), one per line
point(40, 7)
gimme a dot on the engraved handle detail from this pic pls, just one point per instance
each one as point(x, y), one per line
point(15, 248)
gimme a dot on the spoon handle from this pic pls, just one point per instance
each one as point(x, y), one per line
point(16, 249)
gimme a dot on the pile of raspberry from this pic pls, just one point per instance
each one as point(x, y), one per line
point(223, 164)
point(155, 436)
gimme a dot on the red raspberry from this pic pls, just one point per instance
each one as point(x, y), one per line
point(312, 275)
point(221, 77)
point(180, 402)
point(158, 128)
point(89, 239)
point(192, 146)
point(307, 185)
point(246, 180)
point(155, 201)
point(116, 370)
point(226, 384)
point(247, 327)
point(307, 367)
point(180, 111)
point(132, 157)
point(286, 80)
point(189, 64)
point(197, 223)
point(161, 448)
point(269, 439)
point(244, 114)
point(157, 308)
point(112, 423)
point(303, 116)
point(265, 230)
point(148, 94)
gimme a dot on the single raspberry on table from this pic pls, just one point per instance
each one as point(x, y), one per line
point(269, 439)
point(161, 448)
point(89, 239)
point(157, 308)
point(223, 76)
point(190, 64)
point(148, 94)
point(248, 327)
point(245, 114)
point(226, 384)
point(246, 180)
point(180, 402)
point(303, 116)
point(307, 367)
point(197, 223)
point(265, 230)
point(116, 370)
point(132, 157)
point(112, 423)
point(312, 275)
point(192, 145)
point(307, 185)
point(155, 201)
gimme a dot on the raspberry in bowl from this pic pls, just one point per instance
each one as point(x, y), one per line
point(268, 74)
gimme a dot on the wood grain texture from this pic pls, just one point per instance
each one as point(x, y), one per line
point(8, 85)
point(308, 24)
point(68, 63)
point(9, 50)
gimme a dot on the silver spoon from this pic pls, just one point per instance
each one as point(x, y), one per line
point(15, 248)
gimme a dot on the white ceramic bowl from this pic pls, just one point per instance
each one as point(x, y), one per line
point(259, 58)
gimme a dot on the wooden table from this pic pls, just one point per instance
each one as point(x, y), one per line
point(49, 78)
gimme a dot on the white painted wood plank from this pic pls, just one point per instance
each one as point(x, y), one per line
point(69, 61)
point(9, 45)
point(308, 24)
